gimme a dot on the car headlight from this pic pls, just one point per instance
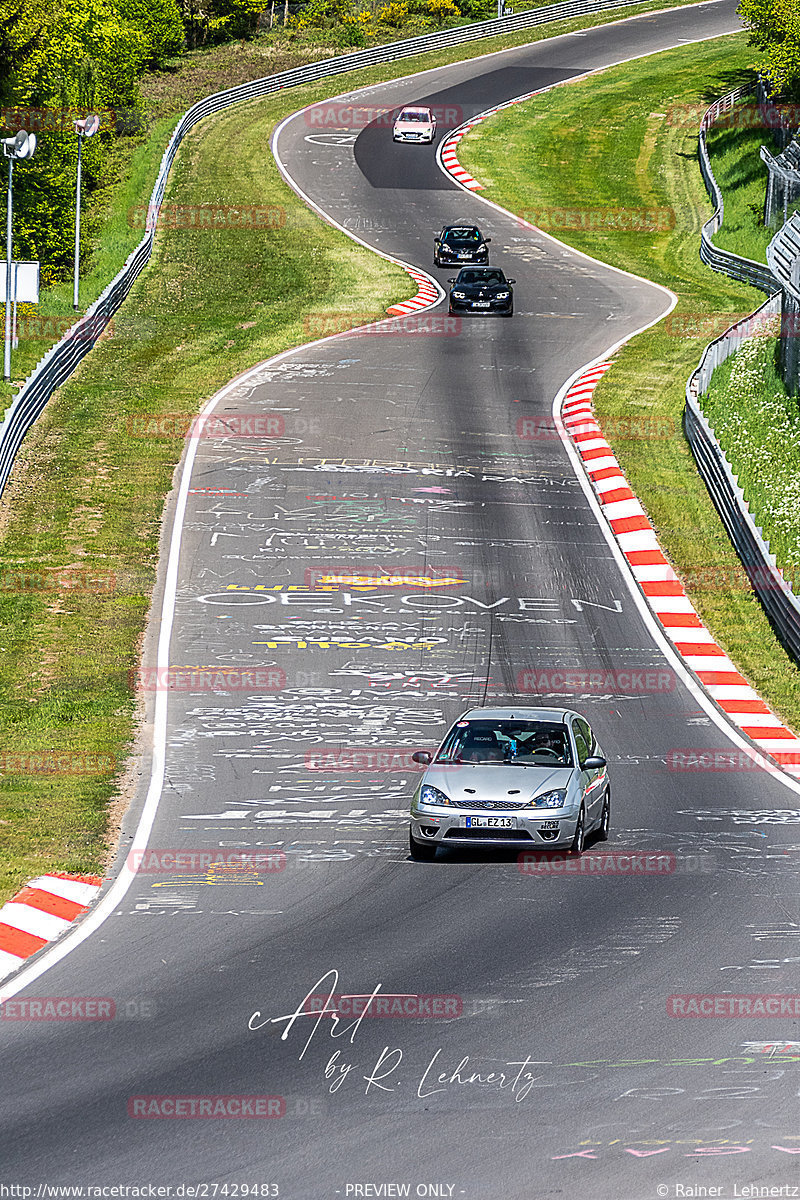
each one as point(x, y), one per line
point(502, 295)
point(553, 799)
point(432, 795)
point(459, 295)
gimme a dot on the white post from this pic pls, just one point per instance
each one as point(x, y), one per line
point(75, 303)
point(14, 338)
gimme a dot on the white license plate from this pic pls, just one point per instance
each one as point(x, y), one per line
point(549, 825)
point(482, 304)
point(490, 822)
point(464, 253)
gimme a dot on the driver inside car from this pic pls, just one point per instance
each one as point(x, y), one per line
point(549, 744)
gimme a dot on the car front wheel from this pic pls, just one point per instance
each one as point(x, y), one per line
point(579, 840)
point(605, 819)
point(421, 851)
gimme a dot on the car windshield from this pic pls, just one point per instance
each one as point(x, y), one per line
point(507, 741)
point(481, 277)
point(461, 235)
point(414, 114)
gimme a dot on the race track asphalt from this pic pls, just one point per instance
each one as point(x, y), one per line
point(555, 1069)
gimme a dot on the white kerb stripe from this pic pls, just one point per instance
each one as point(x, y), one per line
point(671, 604)
point(617, 509)
point(637, 539)
point(8, 963)
point(729, 692)
point(67, 889)
point(710, 662)
point(694, 636)
point(661, 573)
point(599, 464)
point(32, 920)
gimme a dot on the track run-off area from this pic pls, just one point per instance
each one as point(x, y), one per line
point(387, 549)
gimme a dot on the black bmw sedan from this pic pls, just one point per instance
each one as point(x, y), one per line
point(463, 243)
point(482, 290)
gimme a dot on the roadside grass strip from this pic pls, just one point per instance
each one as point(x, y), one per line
point(40, 913)
point(733, 150)
point(662, 588)
point(757, 425)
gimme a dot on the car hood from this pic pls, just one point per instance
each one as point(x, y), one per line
point(462, 244)
point(413, 126)
point(494, 782)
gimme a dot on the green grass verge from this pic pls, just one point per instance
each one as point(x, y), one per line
point(758, 426)
point(609, 143)
point(85, 501)
point(742, 178)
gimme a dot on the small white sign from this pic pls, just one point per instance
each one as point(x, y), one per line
point(26, 277)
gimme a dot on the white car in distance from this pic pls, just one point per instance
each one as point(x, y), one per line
point(414, 125)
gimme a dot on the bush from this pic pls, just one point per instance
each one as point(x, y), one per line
point(351, 33)
point(442, 10)
point(323, 14)
point(394, 14)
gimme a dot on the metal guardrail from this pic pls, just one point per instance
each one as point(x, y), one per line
point(783, 181)
point(744, 269)
point(62, 359)
point(775, 593)
point(783, 256)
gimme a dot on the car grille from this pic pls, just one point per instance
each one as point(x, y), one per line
point(499, 835)
point(488, 804)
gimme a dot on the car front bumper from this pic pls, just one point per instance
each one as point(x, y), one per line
point(452, 260)
point(434, 824)
point(471, 306)
point(422, 138)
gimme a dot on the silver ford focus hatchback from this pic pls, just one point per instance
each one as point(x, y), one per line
point(532, 778)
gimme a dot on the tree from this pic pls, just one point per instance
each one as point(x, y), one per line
point(81, 32)
point(214, 20)
point(160, 22)
point(775, 29)
point(22, 22)
point(83, 57)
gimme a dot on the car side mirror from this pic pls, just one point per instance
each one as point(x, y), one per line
point(451, 281)
point(511, 281)
point(487, 240)
point(422, 756)
point(593, 763)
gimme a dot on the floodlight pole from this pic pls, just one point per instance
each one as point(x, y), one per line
point(86, 128)
point(75, 303)
point(7, 332)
